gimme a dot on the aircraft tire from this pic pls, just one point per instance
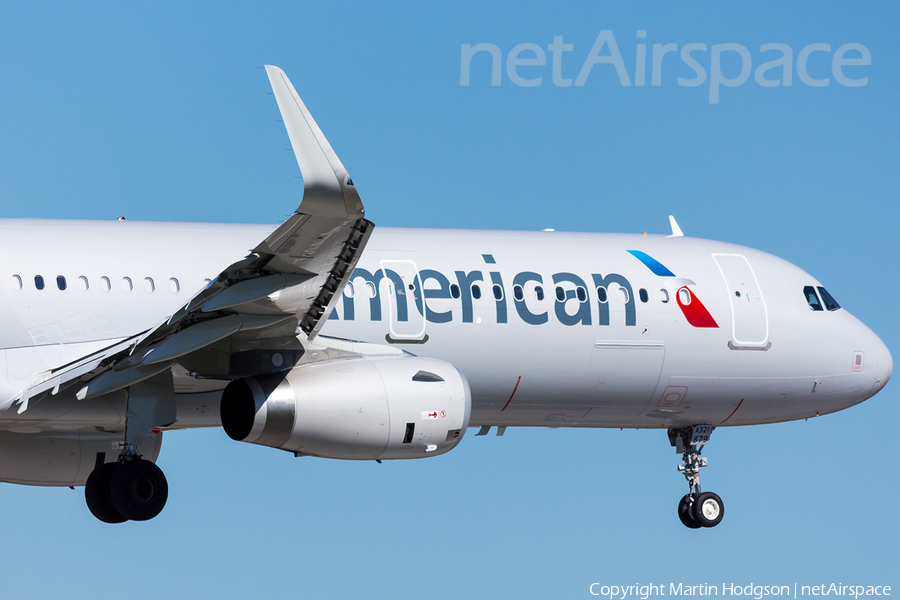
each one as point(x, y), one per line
point(139, 490)
point(97, 494)
point(684, 513)
point(708, 509)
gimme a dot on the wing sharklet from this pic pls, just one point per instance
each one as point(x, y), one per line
point(327, 188)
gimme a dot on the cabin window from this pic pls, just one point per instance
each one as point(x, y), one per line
point(17, 282)
point(348, 291)
point(518, 292)
point(560, 294)
point(149, 286)
point(454, 291)
point(663, 295)
point(83, 283)
point(602, 296)
point(684, 296)
point(623, 295)
point(476, 291)
point(498, 292)
point(61, 282)
point(538, 293)
point(828, 299)
point(105, 285)
point(645, 297)
point(174, 286)
point(39, 282)
point(581, 294)
point(370, 289)
point(811, 298)
point(127, 285)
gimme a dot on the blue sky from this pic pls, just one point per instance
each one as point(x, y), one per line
point(158, 111)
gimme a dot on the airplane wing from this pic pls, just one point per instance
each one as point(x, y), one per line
point(287, 284)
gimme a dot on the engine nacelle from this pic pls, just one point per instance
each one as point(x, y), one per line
point(364, 408)
point(62, 459)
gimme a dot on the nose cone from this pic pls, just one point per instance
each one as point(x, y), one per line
point(885, 368)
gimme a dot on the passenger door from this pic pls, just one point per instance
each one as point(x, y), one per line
point(749, 317)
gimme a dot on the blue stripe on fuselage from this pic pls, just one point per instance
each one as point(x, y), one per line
point(652, 264)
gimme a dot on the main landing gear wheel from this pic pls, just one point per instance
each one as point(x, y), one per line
point(139, 490)
point(96, 494)
point(696, 509)
point(134, 490)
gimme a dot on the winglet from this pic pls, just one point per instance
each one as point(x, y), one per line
point(676, 230)
point(327, 188)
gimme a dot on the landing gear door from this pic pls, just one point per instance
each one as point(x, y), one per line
point(749, 317)
point(403, 287)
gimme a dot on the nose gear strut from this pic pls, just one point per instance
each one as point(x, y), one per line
point(697, 508)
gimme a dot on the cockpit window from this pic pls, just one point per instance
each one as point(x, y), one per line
point(811, 298)
point(828, 300)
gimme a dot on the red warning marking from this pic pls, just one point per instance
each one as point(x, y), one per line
point(694, 311)
point(443, 414)
point(513, 394)
point(734, 411)
point(672, 397)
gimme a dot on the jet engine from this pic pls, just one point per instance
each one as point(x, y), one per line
point(361, 408)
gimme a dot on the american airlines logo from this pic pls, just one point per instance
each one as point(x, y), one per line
point(571, 294)
point(643, 63)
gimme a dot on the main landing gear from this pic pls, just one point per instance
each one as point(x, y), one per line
point(696, 509)
point(130, 489)
point(134, 489)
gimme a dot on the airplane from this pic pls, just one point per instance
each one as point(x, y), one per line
point(325, 336)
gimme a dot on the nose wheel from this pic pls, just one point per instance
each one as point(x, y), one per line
point(708, 509)
point(685, 507)
point(696, 509)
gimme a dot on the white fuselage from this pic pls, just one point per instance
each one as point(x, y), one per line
point(626, 355)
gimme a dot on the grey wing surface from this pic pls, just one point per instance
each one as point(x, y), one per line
point(287, 285)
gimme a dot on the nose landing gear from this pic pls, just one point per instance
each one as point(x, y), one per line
point(696, 509)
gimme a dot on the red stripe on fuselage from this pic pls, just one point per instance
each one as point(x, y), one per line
point(694, 311)
point(734, 411)
point(513, 394)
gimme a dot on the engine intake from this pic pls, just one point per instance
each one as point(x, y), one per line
point(363, 408)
